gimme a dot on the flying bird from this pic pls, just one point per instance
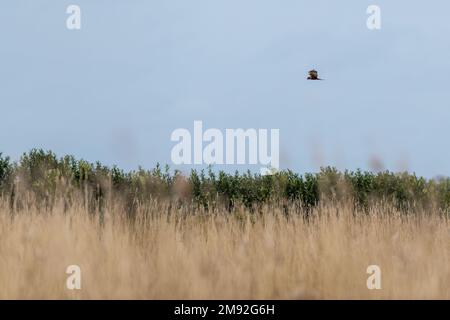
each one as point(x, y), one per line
point(313, 75)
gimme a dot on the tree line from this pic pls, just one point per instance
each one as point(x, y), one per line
point(45, 179)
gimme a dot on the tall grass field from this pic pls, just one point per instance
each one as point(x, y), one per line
point(156, 234)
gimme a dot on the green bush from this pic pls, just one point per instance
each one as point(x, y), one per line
point(6, 172)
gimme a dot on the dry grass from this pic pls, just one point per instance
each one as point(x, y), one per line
point(214, 256)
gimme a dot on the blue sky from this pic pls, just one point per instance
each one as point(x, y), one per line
point(139, 69)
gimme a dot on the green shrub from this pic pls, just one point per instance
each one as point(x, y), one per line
point(6, 173)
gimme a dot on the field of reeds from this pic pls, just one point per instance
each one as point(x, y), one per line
point(152, 234)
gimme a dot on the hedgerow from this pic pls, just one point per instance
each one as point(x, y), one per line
point(42, 176)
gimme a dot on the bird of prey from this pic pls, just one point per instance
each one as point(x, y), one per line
point(313, 75)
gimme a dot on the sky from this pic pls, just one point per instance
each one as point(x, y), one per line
point(116, 89)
